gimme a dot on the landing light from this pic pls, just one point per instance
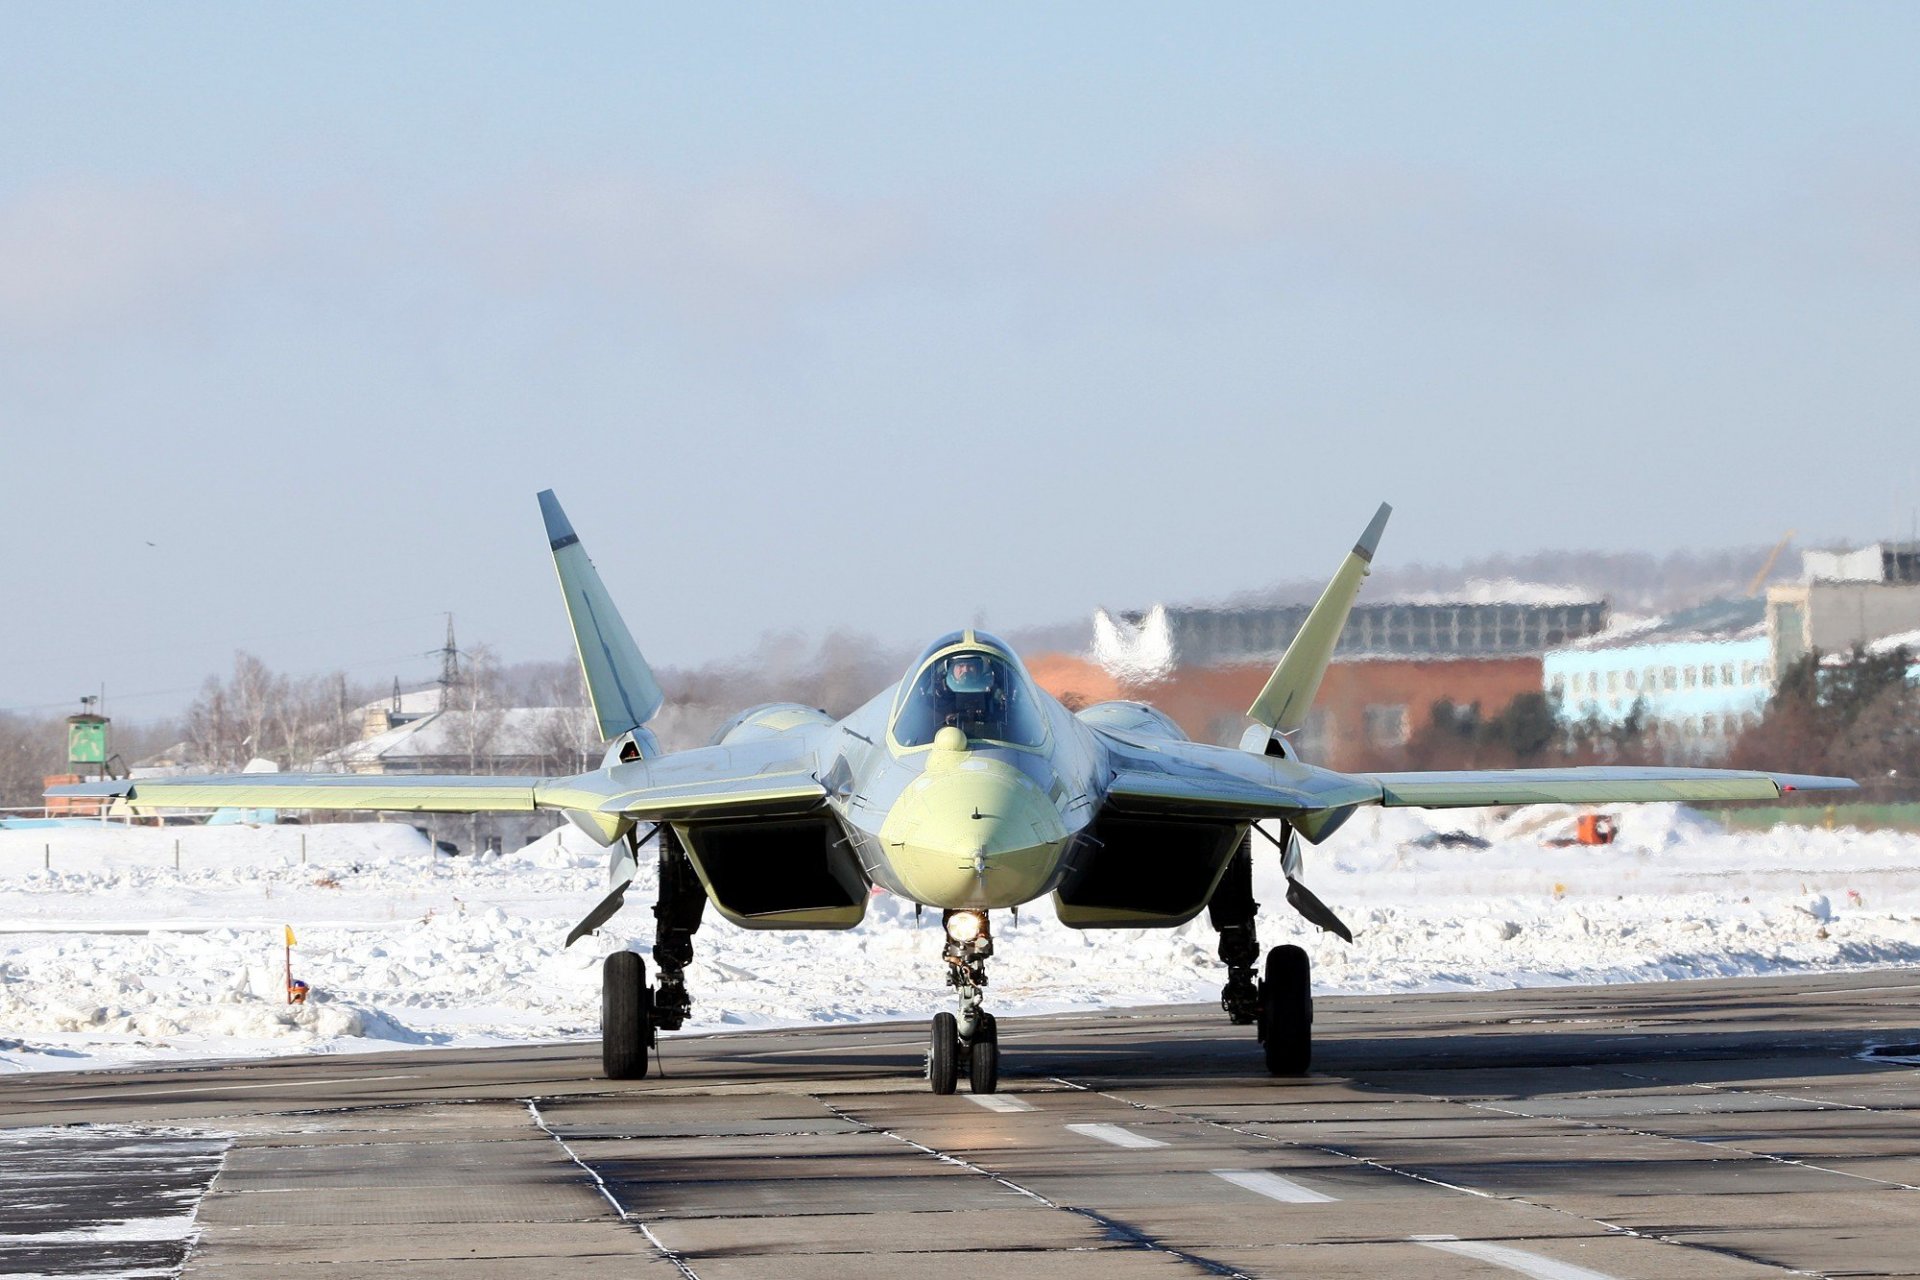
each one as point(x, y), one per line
point(965, 926)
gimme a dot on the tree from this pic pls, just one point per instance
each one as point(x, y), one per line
point(257, 713)
point(1883, 739)
point(31, 747)
point(1859, 718)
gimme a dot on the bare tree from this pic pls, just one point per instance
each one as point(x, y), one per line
point(31, 747)
point(258, 713)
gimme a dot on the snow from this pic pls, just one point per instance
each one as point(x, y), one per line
point(112, 956)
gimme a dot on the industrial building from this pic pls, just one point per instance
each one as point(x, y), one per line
point(1699, 677)
point(1395, 660)
point(1844, 599)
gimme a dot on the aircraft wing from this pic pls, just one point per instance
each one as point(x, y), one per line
point(752, 779)
point(1593, 785)
point(1166, 777)
point(345, 791)
point(1189, 779)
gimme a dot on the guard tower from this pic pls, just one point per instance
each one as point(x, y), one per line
point(87, 741)
point(87, 758)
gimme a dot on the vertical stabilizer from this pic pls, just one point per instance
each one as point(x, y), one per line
point(1284, 702)
point(625, 694)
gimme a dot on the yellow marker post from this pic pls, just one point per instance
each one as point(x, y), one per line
point(289, 953)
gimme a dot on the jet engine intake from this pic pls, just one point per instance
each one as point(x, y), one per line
point(779, 873)
point(1145, 872)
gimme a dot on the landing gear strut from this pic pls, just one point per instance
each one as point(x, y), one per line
point(1231, 911)
point(971, 1038)
point(676, 919)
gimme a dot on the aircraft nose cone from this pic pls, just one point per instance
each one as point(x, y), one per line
point(982, 834)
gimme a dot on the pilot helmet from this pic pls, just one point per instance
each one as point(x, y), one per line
point(967, 673)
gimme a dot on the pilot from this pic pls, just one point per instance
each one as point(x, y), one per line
point(967, 673)
point(966, 694)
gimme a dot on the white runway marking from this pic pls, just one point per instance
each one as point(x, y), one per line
point(998, 1102)
point(1273, 1186)
point(1116, 1135)
point(1527, 1264)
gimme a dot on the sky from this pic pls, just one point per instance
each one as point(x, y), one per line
point(892, 318)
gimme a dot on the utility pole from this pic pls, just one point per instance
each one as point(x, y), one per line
point(449, 665)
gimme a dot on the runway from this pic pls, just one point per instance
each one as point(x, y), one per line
point(1716, 1128)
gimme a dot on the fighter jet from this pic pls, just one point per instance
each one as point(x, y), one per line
point(966, 789)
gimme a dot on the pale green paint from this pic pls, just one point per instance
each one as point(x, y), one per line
point(368, 791)
point(1571, 786)
point(1288, 694)
point(972, 832)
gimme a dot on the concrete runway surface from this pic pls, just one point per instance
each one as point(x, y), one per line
point(1715, 1128)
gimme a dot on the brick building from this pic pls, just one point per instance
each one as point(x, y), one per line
point(1367, 707)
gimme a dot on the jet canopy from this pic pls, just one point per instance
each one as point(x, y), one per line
point(973, 682)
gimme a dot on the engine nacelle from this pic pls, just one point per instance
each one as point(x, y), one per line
point(1136, 719)
point(768, 720)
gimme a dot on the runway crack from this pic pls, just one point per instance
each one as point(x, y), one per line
point(600, 1184)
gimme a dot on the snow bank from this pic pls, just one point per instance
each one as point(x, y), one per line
point(112, 955)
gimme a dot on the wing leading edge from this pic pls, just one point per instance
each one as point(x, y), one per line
point(337, 791)
point(1600, 784)
point(712, 782)
point(1192, 780)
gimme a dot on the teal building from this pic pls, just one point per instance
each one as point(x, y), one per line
point(1702, 676)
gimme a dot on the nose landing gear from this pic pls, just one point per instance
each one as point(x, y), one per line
point(971, 1038)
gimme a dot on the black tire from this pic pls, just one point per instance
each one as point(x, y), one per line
point(943, 1053)
point(1286, 1012)
point(626, 1027)
point(983, 1058)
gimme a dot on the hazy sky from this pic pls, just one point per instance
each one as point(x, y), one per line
point(898, 316)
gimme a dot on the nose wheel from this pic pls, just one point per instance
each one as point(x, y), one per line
point(969, 1040)
point(948, 1055)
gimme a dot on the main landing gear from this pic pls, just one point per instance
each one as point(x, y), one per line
point(1231, 911)
point(676, 919)
point(1286, 1011)
point(631, 1012)
point(970, 1040)
point(1280, 1002)
point(626, 1016)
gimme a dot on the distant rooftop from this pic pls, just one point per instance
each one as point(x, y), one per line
point(1161, 638)
point(1727, 618)
point(1888, 562)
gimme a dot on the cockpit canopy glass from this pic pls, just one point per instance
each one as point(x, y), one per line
point(978, 692)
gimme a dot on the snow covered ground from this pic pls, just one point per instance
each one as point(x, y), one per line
point(111, 955)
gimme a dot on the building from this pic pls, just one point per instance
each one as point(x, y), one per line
point(1700, 677)
point(1160, 639)
point(409, 733)
point(1394, 662)
point(1844, 598)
